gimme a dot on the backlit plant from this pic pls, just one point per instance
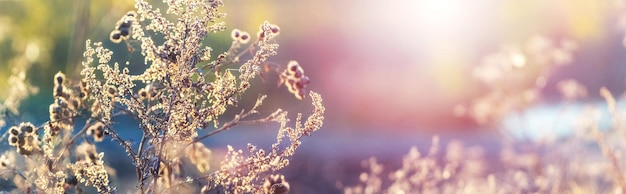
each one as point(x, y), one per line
point(184, 90)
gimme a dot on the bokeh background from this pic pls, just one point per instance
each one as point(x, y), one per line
point(392, 73)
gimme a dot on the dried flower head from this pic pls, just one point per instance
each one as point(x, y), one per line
point(115, 36)
point(275, 184)
point(244, 38)
point(272, 30)
point(294, 79)
point(59, 78)
point(24, 138)
point(122, 29)
point(84, 90)
point(92, 172)
point(111, 91)
point(239, 36)
point(97, 131)
point(14, 133)
point(143, 94)
point(27, 128)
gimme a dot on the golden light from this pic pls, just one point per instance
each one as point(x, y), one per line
point(445, 15)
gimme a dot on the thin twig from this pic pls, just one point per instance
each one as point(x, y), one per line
point(237, 121)
point(231, 124)
point(139, 153)
point(164, 131)
point(124, 144)
point(610, 155)
point(127, 112)
point(72, 140)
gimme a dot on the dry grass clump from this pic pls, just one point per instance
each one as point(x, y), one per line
point(587, 161)
point(514, 77)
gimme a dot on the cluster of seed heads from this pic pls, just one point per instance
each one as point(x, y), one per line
point(274, 30)
point(97, 130)
point(122, 29)
point(150, 92)
point(240, 36)
point(66, 104)
point(294, 79)
point(25, 138)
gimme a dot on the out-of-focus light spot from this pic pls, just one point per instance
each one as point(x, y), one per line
point(518, 60)
point(32, 52)
point(445, 174)
point(562, 57)
point(571, 89)
point(444, 14)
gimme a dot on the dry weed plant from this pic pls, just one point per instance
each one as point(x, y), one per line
point(588, 161)
point(514, 76)
point(184, 90)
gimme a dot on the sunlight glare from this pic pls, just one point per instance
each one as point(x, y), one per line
point(446, 15)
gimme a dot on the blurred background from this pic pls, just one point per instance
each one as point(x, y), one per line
point(392, 74)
